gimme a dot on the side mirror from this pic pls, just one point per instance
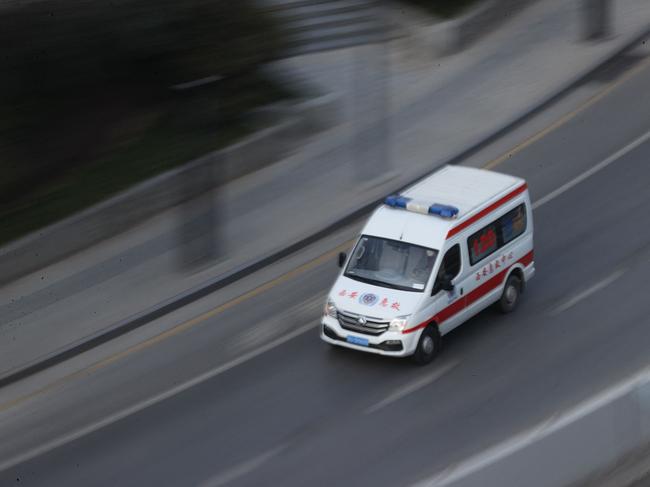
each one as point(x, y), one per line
point(342, 258)
point(445, 284)
point(442, 284)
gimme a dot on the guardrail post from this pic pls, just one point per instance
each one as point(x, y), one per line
point(370, 111)
point(198, 228)
point(371, 102)
point(199, 225)
point(597, 19)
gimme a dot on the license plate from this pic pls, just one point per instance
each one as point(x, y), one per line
point(363, 342)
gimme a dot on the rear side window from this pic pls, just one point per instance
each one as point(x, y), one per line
point(497, 234)
point(513, 224)
point(483, 243)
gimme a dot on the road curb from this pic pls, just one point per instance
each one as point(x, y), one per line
point(219, 282)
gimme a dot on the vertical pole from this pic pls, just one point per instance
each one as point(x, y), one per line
point(198, 237)
point(199, 242)
point(371, 109)
point(596, 19)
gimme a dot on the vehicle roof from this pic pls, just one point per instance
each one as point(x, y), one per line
point(468, 189)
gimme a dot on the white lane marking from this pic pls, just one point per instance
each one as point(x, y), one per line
point(46, 447)
point(408, 389)
point(590, 172)
point(242, 469)
point(53, 444)
point(555, 423)
point(587, 292)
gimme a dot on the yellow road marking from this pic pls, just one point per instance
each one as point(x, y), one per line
point(315, 262)
point(183, 326)
point(569, 116)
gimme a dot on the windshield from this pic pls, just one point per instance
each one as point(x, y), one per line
point(389, 263)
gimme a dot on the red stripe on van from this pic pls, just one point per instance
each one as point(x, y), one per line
point(485, 288)
point(461, 226)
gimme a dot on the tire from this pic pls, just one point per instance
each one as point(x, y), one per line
point(511, 294)
point(429, 345)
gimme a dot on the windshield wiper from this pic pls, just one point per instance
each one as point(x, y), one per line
point(378, 283)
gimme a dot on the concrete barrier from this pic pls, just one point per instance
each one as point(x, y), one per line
point(162, 192)
point(446, 37)
point(568, 447)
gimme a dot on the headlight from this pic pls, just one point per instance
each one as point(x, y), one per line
point(398, 324)
point(330, 309)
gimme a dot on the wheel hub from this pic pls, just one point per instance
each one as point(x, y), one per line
point(427, 345)
point(511, 294)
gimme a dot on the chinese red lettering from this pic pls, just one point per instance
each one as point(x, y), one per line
point(485, 242)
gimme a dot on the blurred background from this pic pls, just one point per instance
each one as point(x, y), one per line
point(179, 176)
point(100, 96)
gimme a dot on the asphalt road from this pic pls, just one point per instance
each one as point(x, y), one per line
point(301, 413)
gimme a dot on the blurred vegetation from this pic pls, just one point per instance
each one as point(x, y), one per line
point(86, 105)
point(444, 8)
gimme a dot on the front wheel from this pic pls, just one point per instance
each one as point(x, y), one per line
point(428, 346)
point(511, 293)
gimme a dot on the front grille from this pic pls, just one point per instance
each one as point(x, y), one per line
point(387, 346)
point(372, 326)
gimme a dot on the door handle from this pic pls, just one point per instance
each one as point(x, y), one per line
point(461, 291)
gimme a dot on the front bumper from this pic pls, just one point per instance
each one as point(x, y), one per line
point(384, 344)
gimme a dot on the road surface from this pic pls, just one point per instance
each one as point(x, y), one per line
point(269, 404)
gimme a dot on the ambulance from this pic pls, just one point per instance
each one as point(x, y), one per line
point(429, 259)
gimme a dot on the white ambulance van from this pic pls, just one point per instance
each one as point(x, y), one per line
point(429, 259)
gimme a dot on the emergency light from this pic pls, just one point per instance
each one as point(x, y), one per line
point(397, 201)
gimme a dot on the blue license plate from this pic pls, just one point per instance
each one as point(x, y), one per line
point(357, 341)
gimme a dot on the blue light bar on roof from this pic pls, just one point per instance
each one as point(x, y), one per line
point(445, 211)
point(397, 201)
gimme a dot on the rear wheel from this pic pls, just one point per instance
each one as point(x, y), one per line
point(428, 346)
point(511, 293)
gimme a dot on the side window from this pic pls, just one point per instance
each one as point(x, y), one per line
point(451, 263)
point(497, 234)
point(449, 267)
point(482, 243)
point(513, 224)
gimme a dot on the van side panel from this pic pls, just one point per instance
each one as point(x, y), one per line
point(463, 286)
point(482, 283)
point(445, 308)
point(490, 274)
